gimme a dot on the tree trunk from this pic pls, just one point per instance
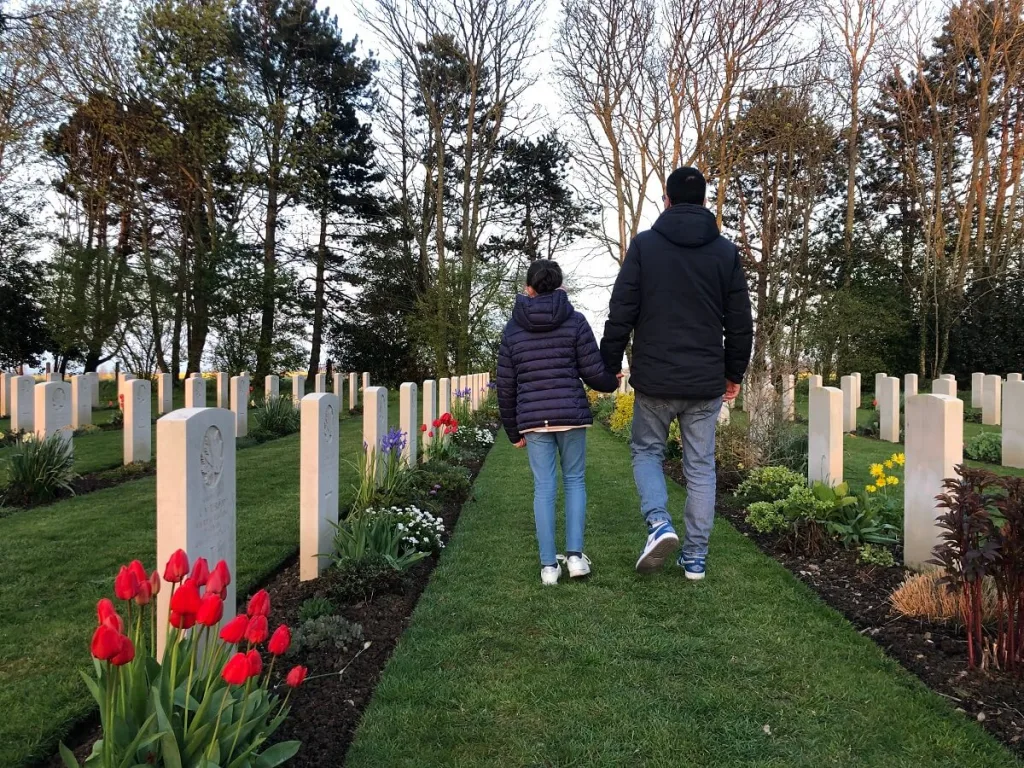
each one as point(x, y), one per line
point(263, 352)
point(318, 312)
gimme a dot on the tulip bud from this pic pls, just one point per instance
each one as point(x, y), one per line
point(106, 643)
point(200, 572)
point(126, 586)
point(145, 593)
point(296, 677)
point(258, 630)
point(211, 610)
point(234, 630)
point(255, 662)
point(154, 582)
point(219, 580)
point(125, 653)
point(280, 640)
point(182, 620)
point(259, 604)
point(107, 614)
point(177, 567)
point(136, 568)
point(236, 671)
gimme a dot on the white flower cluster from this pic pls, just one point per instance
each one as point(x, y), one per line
point(420, 529)
point(475, 436)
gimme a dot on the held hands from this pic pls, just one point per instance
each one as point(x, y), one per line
point(731, 391)
point(521, 443)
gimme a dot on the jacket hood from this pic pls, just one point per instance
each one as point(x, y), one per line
point(542, 313)
point(688, 226)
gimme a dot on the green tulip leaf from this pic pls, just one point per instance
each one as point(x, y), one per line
point(278, 754)
point(68, 757)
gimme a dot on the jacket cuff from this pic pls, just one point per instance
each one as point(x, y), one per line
point(734, 378)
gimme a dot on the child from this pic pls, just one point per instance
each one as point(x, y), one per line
point(545, 349)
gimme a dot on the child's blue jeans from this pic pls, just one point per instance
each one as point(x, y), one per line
point(544, 450)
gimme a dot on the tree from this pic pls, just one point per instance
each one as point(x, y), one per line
point(25, 335)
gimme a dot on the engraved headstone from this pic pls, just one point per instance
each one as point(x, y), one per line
point(195, 495)
point(81, 402)
point(825, 435)
point(944, 386)
point(1013, 424)
point(353, 391)
point(375, 425)
point(814, 380)
point(5, 394)
point(992, 401)
point(53, 410)
point(195, 392)
point(408, 421)
point(240, 404)
point(977, 389)
point(94, 387)
point(444, 396)
point(339, 388)
point(164, 394)
point(298, 388)
point(320, 383)
point(271, 387)
point(23, 405)
point(138, 428)
point(223, 390)
point(909, 385)
point(318, 482)
point(366, 379)
point(888, 395)
point(429, 413)
point(850, 403)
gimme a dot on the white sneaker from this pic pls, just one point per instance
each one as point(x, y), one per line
point(578, 566)
point(550, 574)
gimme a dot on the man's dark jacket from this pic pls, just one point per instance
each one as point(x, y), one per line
point(681, 292)
point(546, 348)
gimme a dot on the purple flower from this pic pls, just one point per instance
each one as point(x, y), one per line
point(437, 487)
point(433, 493)
point(491, 385)
point(394, 440)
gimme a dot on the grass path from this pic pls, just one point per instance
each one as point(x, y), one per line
point(57, 561)
point(748, 668)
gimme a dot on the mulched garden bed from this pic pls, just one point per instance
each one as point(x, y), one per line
point(935, 652)
point(325, 712)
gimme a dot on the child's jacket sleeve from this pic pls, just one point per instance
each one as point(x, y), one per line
point(589, 362)
point(507, 390)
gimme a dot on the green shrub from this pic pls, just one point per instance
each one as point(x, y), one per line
point(326, 632)
point(314, 608)
point(767, 517)
point(88, 429)
point(871, 554)
point(988, 446)
point(973, 415)
point(769, 483)
point(39, 470)
point(363, 535)
point(354, 581)
point(277, 417)
point(443, 483)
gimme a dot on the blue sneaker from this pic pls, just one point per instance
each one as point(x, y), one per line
point(661, 543)
point(693, 567)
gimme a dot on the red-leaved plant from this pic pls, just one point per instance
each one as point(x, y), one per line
point(1008, 573)
point(208, 700)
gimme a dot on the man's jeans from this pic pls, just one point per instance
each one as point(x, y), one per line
point(697, 421)
point(543, 450)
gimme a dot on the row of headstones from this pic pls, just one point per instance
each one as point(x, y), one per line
point(934, 443)
point(196, 482)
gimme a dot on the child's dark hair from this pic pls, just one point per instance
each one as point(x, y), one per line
point(544, 276)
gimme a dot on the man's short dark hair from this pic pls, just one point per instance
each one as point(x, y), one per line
point(544, 276)
point(686, 185)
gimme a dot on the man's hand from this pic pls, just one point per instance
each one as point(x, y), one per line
point(521, 443)
point(732, 390)
point(620, 375)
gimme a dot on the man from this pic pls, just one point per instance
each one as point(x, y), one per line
point(681, 292)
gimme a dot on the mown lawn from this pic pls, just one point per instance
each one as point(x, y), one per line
point(748, 668)
point(57, 561)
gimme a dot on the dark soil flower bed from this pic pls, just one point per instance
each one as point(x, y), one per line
point(935, 652)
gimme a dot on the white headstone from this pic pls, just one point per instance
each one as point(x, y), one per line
point(339, 389)
point(375, 425)
point(320, 383)
point(888, 395)
point(195, 496)
point(54, 376)
point(909, 385)
point(94, 387)
point(408, 421)
point(318, 482)
point(860, 387)
point(164, 393)
point(789, 397)
point(814, 380)
point(353, 391)
point(825, 435)
point(444, 396)
point(1013, 424)
point(195, 392)
point(935, 441)
point(878, 383)
point(429, 411)
point(992, 401)
point(81, 402)
point(23, 404)
point(977, 389)
point(298, 389)
point(1014, 377)
point(223, 390)
point(948, 376)
point(944, 386)
point(725, 413)
point(271, 387)
point(850, 403)
point(240, 404)
point(5, 394)
point(138, 427)
point(53, 409)
point(366, 379)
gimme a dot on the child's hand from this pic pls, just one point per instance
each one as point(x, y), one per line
point(521, 443)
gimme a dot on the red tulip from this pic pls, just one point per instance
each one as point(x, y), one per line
point(430, 433)
point(258, 630)
point(177, 567)
point(211, 610)
point(106, 643)
point(454, 424)
point(140, 573)
point(437, 423)
point(154, 582)
point(296, 677)
point(186, 598)
point(280, 640)
point(423, 427)
point(259, 604)
point(219, 580)
point(200, 572)
point(236, 671)
point(107, 614)
point(446, 418)
point(145, 593)
point(182, 620)
point(255, 662)
point(234, 630)
point(126, 586)
point(125, 653)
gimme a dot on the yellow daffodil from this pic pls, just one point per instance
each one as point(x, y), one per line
point(894, 481)
point(890, 464)
point(870, 488)
point(901, 458)
point(877, 470)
